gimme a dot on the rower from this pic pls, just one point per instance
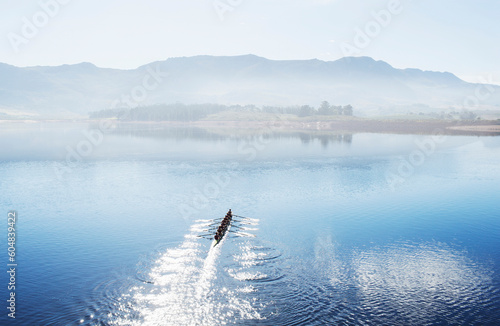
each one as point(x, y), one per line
point(223, 226)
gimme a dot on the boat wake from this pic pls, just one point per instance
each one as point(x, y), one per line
point(195, 284)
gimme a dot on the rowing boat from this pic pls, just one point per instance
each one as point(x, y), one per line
point(224, 227)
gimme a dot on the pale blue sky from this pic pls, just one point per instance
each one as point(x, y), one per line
point(460, 36)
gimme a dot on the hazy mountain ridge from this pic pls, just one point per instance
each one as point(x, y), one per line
point(248, 79)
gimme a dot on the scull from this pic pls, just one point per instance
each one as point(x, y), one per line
point(224, 227)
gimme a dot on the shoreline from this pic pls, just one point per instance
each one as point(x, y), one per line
point(353, 125)
point(480, 128)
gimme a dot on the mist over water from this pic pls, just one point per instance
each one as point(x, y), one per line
point(116, 237)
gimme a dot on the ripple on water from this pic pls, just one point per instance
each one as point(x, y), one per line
point(245, 282)
point(421, 284)
point(190, 284)
point(399, 284)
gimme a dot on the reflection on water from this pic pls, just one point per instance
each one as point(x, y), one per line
point(210, 134)
point(80, 141)
point(333, 245)
point(420, 284)
point(68, 143)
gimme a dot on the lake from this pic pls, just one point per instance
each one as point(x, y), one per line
point(333, 229)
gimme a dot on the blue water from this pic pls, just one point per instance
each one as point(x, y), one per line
point(329, 239)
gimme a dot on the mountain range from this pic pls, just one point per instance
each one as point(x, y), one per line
point(368, 85)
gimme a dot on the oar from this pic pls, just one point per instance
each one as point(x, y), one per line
point(244, 234)
point(208, 237)
point(242, 228)
point(250, 218)
point(249, 223)
point(209, 231)
point(216, 223)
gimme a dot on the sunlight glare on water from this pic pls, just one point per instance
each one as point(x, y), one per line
point(184, 289)
point(327, 239)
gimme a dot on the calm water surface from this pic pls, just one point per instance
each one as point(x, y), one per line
point(362, 229)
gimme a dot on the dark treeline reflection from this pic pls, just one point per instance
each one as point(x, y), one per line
point(325, 139)
point(224, 134)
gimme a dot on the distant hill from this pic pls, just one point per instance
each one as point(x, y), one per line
point(75, 90)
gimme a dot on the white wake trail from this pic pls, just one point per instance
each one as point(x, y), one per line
point(185, 289)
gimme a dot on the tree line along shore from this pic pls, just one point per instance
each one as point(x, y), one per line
point(196, 112)
point(305, 117)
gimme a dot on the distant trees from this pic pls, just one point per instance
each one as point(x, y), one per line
point(450, 114)
point(347, 110)
point(467, 115)
point(163, 112)
point(194, 112)
point(325, 109)
point(306, 110)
